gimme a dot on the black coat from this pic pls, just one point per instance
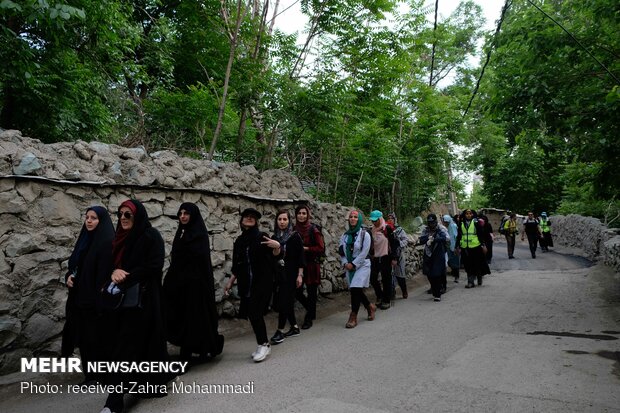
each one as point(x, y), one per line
point(253, 265)
point(292, 252)
point(434, 265)
point(189, 292)
point(91, 264)
point(137, 334)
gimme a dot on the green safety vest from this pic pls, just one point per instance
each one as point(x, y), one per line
point(544, 226)
point(510, 228)
point(469, 239)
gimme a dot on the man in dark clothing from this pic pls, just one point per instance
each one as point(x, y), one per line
point(531, 228)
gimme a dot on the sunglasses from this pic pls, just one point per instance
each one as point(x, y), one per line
point(126, 215)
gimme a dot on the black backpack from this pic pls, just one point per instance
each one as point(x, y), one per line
point(502, 230)
point(321, 256)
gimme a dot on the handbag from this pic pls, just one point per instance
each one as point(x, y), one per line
point(129, 298)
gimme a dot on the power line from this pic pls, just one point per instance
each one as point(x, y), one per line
point(576, 41)
point(296, 1)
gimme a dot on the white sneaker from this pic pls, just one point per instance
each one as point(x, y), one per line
point(255, 352)
point(262, 352)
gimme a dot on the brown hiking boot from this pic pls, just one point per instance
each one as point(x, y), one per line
point(352, 320)
point(371, 311)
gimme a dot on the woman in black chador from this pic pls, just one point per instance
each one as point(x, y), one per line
point(90, 266)
point(135, 328)
point(189, 292)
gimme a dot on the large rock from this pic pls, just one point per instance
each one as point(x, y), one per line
point(11, 203)
point(40, 328)
point(28, 164)
point(20, 244)
point(10, 328)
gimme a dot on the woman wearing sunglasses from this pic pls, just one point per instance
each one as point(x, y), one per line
point(189, 292)
point(136, 333)
point(89, 267)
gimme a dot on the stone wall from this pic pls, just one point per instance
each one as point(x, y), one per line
point(45, 189)
point(588, 235)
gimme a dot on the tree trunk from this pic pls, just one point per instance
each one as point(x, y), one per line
point(241, 134)
point(430, 80)
point(318, 179)
point(359, 182)
point(233, 37)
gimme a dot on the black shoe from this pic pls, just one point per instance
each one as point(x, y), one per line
point(428, 291)
point(277, 338)
point(437, 299)
point(306, 325)
point(479, 280)
point(442, 290)
point(456, 280)
point(384, 306)
point(511, 257)
point(292, 332)
point(533, 255)
point(470, 285)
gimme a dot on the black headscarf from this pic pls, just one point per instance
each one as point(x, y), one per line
point(103, 233)
point(247, 234)
point(194, 229)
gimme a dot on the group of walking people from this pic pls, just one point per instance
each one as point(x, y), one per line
point(290, 259)
point(537, 230)
point(460, 241)
point(118, 309)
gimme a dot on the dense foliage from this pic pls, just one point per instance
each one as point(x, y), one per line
point(367, 106)
point(553, 87)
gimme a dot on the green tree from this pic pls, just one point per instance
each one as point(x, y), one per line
point(560, 88)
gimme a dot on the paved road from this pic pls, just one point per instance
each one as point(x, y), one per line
point(539, 335)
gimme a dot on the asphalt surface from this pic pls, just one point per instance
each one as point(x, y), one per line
point(540, 335)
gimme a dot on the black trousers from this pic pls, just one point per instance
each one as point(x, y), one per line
point(286, 305)
point(532, 239)
point(260, 329)
point(308, 302)
point(254, 310)
point(383, 289)
point(358, 298)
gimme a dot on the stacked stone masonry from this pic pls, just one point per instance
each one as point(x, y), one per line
point(45, 190)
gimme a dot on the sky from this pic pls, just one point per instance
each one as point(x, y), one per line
point(293, 20)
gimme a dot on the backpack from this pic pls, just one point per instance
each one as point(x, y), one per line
point(321, 256)
point(371, 251)
point(362, 233)
point(502, 230)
